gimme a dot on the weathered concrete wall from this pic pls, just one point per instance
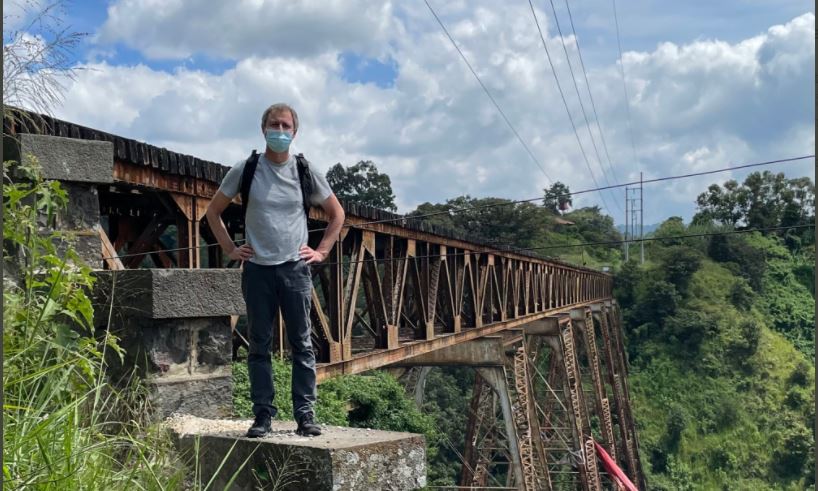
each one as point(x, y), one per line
point(69, 159)
point(339, 459)
point(175, 293)
point(174, 326)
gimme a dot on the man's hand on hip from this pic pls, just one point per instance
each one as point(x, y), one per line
point(311, 255)
point(241, 253)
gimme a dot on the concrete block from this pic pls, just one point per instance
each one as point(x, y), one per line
point(185, 363)
point(174, 329)
point(174, 347)
point(340, 459)
point(82, 212)
point(69, 159)
point(172, 293)
point(209, 396)
point(85, 243)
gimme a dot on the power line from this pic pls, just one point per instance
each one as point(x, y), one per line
point(488, 93)
point(581, 104)
point(504, 203)
point(624, 86)
point(590, 94)
point(565, 103)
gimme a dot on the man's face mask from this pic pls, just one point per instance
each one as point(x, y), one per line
point(278, 141)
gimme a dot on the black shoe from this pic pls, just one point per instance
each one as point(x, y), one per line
point(307, 427)
point(261, 425)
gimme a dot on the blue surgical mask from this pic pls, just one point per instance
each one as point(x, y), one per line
point(278, 141)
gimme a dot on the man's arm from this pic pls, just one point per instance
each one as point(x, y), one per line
point(214, 219)
point(332, 207)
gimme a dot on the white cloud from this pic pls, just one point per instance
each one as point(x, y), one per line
point(701, 105)
point(178, 29)
point(18, 13)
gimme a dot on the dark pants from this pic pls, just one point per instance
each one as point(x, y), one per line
point(265, 289)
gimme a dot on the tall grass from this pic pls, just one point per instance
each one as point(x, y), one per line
point(65, 426)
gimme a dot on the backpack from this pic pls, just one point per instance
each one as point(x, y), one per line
point(304, 177)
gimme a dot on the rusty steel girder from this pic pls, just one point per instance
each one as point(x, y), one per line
point(389, 294)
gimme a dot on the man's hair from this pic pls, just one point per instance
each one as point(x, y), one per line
point(279, 108)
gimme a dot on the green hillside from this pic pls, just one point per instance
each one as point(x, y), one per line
point(719, 336)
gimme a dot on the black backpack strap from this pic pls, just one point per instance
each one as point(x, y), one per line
point(305, 178)
point(246, 181)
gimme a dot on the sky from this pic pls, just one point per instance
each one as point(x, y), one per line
point(709, 84)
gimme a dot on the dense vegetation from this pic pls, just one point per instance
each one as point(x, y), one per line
point(720, 340)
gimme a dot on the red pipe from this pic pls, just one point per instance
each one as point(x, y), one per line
point(613, 469)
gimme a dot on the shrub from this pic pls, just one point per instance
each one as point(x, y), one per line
point(676, 423)
point(659, 300)
point(750, 260)
point(625, 283)
point(797, 398)
point(687, 329)
point(793, 452)
point(801, 375)
point(722, 458)
point(679, 263)
point(742, 295)
point(749, 337)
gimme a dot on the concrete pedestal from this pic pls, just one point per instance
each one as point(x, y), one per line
point(174, 326)
point(339, 459)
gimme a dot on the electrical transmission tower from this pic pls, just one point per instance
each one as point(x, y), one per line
point(634, 213)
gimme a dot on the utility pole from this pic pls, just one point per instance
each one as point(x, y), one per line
point(634, 214)
point(625, 244)
point(641, 224)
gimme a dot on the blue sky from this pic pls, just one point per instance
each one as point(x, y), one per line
point(710, 84)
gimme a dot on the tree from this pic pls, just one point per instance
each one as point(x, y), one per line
point(557, 197)
point(687, 329)
point(726, 206)
point(362, 183)
point(679, 264)
point(592, 225)
point(496, 219)
point(438, 215)
point(763, 200)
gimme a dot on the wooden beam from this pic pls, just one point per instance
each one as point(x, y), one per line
point(108, 252)
point(143, 243)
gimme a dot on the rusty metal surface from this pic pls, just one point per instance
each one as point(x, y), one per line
point(378, 358)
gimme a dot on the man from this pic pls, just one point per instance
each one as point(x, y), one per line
point(276, 265)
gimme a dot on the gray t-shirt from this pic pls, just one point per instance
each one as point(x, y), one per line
point(276, 226)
